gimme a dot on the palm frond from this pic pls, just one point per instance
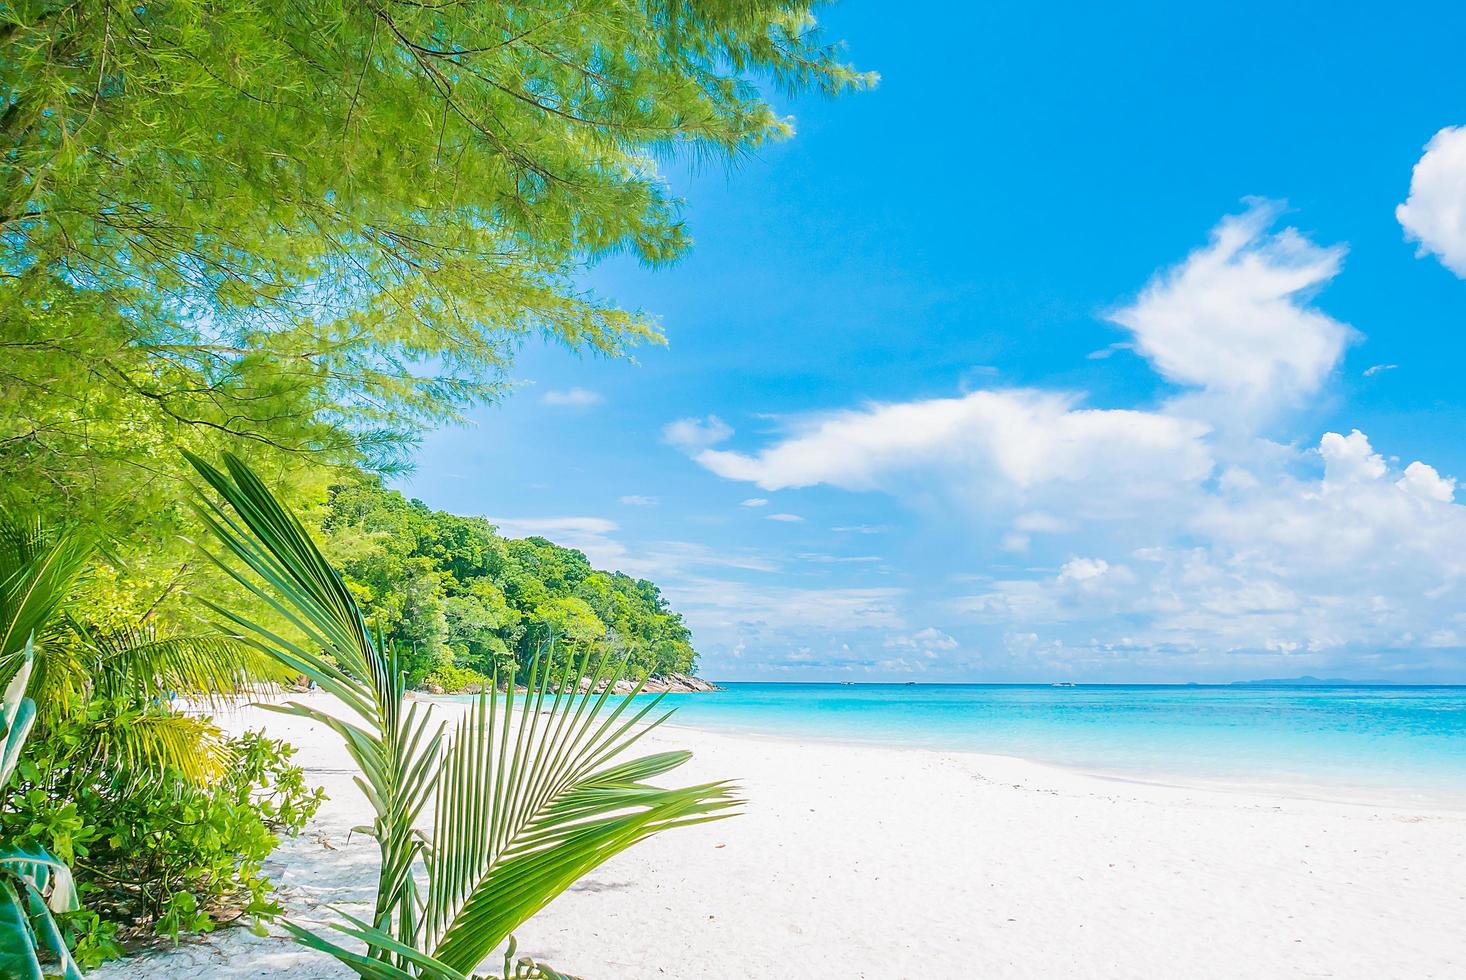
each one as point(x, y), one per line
point(39, 571)
point(17, 715)
point(139, 664)
point(554, 809)
point(525, 801)
point(138, 747)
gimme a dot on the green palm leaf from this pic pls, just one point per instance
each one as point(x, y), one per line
point(136, 748)
point(524, 801)
point(144, 667)
point(39, 571)
point(554, 810)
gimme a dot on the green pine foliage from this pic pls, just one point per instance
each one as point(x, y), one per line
point(306, 232)
point(458, 602)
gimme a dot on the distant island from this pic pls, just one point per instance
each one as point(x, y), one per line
point(1304, 681)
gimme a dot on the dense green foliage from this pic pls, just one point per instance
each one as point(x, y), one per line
point(457, 601)
point(164, 819)
point(101, 668)
point(524, 802)
point(166, 857)
point(306, 231)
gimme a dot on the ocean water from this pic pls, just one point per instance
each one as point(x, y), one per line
point(1353, 742)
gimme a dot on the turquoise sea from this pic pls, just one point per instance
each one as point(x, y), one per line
point(1369, 742)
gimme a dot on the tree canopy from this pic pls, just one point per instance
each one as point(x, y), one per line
point(313, 229)
point(448, 592)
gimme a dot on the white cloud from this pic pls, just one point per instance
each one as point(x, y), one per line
point(1326, 570)
point(1007, 439)
point(786, 518)
point(591, 535)
point(1037, 522)
point(1233, 319)
point(598, 538)
point(572, 398)
point(550, 527)
point(1424, 482)
point(1435, 212)
point(1349, 459)
point(930, 643)
point(1083, 569)
point(1109, 351)
point(752, 610)
point(1374, 369)
point(756, 502)
point(691, 435)
point(638, 500)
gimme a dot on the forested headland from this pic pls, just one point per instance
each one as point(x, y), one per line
point(457, 602)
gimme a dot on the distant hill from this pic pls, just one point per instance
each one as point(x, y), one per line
point(458, 601)
point(1304, 681)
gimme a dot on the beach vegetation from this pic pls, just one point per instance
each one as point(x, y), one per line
point(162, 819)
point(522, 797)
point(161, 858)
point(307, 235)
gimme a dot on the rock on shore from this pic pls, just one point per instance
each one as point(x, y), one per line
point(659, 683)
point(679, 683)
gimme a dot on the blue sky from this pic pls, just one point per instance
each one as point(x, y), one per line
point(1046, 358)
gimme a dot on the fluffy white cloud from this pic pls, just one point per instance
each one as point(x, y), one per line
point(1435, 212)
point(756, 502)
point(1348, 459)
point(1015, 439)
point(929, 642)
point(1083, 569)
point(572, 398)
point(691, 435)
point(1318, 570)
point(786, 518)
point(1424, 482)
point(1233, 319)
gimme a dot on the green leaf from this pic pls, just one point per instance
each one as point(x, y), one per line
point(18, 956)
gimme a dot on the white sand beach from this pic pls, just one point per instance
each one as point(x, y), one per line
point(858, 861)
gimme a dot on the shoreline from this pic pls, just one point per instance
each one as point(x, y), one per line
point(857, 861)
point(1290, 786)
point(1319, 791)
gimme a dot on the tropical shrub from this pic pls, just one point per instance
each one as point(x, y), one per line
point(164, 819)
point(522, 803)
point(162, 857)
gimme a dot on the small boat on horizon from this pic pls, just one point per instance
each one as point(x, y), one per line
point(1062, 684)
